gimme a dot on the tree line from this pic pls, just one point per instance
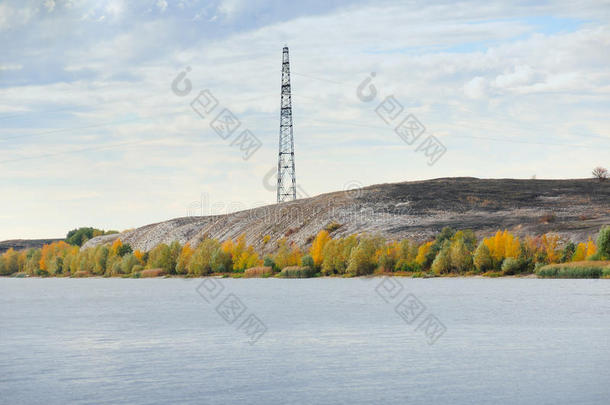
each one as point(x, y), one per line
point(450, 252)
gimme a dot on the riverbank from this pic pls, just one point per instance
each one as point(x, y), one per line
point(276, 276)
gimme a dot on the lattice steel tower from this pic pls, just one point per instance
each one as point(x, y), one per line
point(286, 180)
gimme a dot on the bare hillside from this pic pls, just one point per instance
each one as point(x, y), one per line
point(575, 209)
point(21, 244)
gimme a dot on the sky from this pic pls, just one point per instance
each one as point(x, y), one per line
point(97, 126)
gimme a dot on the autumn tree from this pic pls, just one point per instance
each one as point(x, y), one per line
point(422, 253)
point(317, 247)
point(10, 260)
point(387, 256)
point(482, 258)
point(446, 234)
point(361, 259)
point(141, 256)
point(330, 253)
point(201, 260)
point(337, 253)
point(100, 259)
point(247, 259)
point(127, 263)
point(442, 261)
point(591, 249)
point(460, 256)
point(160, 258)
point(407, 255)
point(183, 259)
point(175, 248)
point(287, 254)
point(550, 244)
point(580, 253)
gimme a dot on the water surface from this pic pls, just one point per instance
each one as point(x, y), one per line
point(157, 341)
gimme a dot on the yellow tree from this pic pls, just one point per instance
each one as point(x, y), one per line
point(422, 251)
point(227, 246)
point(116, 245)
point(499, 251)
point(549, 244)
point(317, 247)
point(248, 258)
point(286, 255)
point(44, 257)
point(591, 248)
point(512, 246)
point(580, 253)
point(235, 248)
point(183, 259)
point(140, 256)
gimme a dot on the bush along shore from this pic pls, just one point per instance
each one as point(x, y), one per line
point(450, 253)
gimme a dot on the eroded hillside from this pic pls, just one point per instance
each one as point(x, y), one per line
point(575, 209)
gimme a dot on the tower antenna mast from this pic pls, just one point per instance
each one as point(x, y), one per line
point(286, 180)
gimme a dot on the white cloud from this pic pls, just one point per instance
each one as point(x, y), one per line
point(521, 87)
point(477, 87)
point(49, 5)
point(162, 5)
point(229, 8)
point(520, 76)
point(11, 67)
point(115, 8)
point(12, 17)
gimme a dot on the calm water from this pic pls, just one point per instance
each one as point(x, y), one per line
point(157, 341)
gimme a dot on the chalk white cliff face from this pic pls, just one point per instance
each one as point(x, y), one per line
point(575, 209)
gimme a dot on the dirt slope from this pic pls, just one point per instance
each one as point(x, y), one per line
point(21, 244)
point(574, 209)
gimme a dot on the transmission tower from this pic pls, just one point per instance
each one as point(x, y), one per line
point(286, 180)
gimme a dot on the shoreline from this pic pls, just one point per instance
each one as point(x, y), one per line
point(461, 276)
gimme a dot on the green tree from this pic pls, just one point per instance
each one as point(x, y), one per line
point(446, 234)
point(567, 252)
point(442, 261)
point(32, 262)
point(222, 262)
point(331, 252)
point(100, 259)
point(482, 258)
point(362, 257)
point(57, 265)
point(307, 261)
point(128, 262)
point(206, 257)
point(268, 262)
point(468, 237)
point(511, 266)
point(461, 258)
point(175, 248)
point(603, 243)
point(160, 258)
point(124, 249)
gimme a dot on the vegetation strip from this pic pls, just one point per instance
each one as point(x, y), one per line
point(451, 253)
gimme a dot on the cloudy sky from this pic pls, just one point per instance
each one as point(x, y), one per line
point(91, 132)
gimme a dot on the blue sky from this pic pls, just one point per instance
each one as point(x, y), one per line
point(92, 134)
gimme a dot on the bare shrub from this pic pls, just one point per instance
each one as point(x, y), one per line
point(600, 173)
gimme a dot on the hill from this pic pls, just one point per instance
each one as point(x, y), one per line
point(574, 209)
point(20, 244)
